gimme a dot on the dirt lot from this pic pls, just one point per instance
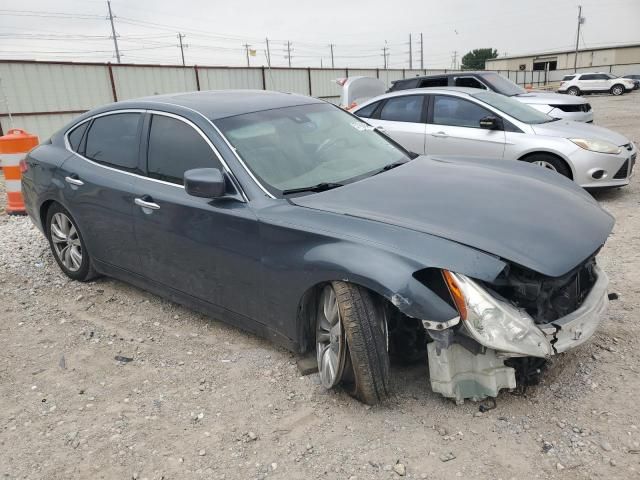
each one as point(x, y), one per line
point(204, 400)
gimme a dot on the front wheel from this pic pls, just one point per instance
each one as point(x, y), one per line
point(67, 245)
point(617, 90)
point(549, 162)
point(352, 342)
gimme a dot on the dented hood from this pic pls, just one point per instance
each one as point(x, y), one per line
point(516, 211)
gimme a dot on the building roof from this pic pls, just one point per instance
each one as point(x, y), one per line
point(560, 52)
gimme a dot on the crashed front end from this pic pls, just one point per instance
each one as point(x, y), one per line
point(520, 314)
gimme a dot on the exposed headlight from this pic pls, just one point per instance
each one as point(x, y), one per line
point(495, 323)
point(599, 146)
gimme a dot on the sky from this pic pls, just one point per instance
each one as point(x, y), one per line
point(216, 32)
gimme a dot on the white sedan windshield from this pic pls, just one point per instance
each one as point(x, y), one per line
point(297, 147)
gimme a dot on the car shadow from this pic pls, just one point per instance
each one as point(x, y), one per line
point(605, 194)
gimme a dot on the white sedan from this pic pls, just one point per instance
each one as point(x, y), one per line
point(470, 122)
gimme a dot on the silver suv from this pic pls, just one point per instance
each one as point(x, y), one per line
point(598, 82)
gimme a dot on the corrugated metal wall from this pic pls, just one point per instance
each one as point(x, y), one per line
point(44, 96)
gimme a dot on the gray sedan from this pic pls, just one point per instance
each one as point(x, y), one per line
point(288, 217)
point(465, 121)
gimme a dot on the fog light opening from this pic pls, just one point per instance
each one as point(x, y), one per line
point(598, 174)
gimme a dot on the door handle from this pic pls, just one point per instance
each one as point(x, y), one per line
point(439, 135)
point(74, 180)
point(144, 204)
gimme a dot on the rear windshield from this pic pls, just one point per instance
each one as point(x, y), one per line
point(568, 77)
point(502, 85)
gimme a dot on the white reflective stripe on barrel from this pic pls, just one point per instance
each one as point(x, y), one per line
point(11, 159)
point(12, 185)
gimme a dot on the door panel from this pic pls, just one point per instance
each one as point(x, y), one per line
point(402, 118)
point(101, 201)
point(409, 135)
point(453, 129)
point(205, 248)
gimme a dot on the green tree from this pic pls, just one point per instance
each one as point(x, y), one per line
point(474, 60)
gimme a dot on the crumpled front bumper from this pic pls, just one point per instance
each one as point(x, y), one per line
point(577, 327)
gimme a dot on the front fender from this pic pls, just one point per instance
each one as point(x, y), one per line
point(298, 255)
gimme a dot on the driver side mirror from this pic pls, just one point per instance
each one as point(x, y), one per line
point(205, 182)
point(491, 123)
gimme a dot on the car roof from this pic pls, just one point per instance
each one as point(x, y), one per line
point(217, 104)
point(465, 73)
point(429, 91)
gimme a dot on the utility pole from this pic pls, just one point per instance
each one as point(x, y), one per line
point(180, 37)
point(246, 48)
point(321, 66)
point(113, 31)
point(454, 60)
point(268, 53)
point(580, 22)
point(410, 54)
point(288, 56)
point(331, 45)
point(384, 54)
point(421, 53)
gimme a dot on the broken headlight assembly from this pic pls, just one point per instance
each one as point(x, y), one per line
point(495, 323)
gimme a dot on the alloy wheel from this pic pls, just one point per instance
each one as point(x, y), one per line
point(330, 339)
point(545, 164)
point(66, 241)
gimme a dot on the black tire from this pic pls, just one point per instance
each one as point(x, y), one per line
point(552, 163)
point(573, 91)
point(366, 373)
point(85, 272)
point(617, 90)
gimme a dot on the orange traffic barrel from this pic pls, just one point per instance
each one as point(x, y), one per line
point(13, 148)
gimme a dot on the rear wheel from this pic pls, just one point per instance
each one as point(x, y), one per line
point(549, 162)
point(67, 245)
point(352, 342)
point(573, 91)
point(617, 90)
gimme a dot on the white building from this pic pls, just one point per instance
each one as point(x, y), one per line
point(600, 58)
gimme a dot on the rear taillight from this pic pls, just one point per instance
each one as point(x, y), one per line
point(352, 106)
point(341, 81)
point(24, 166)
point(561, 83)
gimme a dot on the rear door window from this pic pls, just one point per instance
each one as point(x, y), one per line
point(76, 135)
point(588, 76)
point(458, 112)
point(367, 112)
point(403, 109)
point(174, 148)
point(433, 82)
point(114, 139)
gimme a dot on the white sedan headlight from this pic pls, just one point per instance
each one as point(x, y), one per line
point(599, 146)
point(495, 323)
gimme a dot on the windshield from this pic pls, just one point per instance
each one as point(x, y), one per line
point(514, 108)
point(297, 147)
point(502, 85)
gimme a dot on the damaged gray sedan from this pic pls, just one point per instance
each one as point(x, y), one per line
point(293, 219)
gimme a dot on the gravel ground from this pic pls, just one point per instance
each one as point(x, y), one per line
point(204, 400)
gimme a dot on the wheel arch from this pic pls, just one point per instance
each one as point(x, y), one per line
point(524, 158)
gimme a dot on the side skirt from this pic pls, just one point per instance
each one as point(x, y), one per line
point(201, 306)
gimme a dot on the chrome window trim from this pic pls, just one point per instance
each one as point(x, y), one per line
point(153, 112)
point(231, 147)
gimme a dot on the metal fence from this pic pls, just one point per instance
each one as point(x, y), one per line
point(41, 97)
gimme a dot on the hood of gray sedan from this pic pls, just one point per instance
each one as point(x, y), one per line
point(571, 129)
point(549, 98)
point(516, 211)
